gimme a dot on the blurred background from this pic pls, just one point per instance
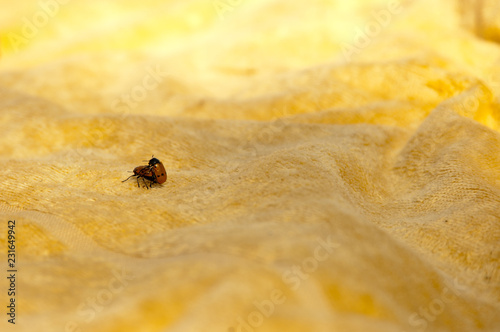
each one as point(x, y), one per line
point(332, 165)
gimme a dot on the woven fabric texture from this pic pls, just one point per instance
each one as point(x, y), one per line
point(332, 165)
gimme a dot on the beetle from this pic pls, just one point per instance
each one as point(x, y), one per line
point(158, 170)
point(154, 172)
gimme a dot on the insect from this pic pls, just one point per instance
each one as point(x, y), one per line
point(154, 172)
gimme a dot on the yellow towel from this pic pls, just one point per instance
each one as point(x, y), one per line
point(332, 165)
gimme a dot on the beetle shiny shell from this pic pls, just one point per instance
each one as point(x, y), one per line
point(154, 172)
point(158, 170)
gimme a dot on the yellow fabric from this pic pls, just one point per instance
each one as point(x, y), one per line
point(332, 165)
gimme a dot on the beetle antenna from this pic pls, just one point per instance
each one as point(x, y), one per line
point(128, 178)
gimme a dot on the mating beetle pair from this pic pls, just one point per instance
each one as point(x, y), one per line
point(154, 172)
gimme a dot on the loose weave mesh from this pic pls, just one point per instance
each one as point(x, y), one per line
point(318, 180)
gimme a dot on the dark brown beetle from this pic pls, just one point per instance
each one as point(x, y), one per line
point(154, 172)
